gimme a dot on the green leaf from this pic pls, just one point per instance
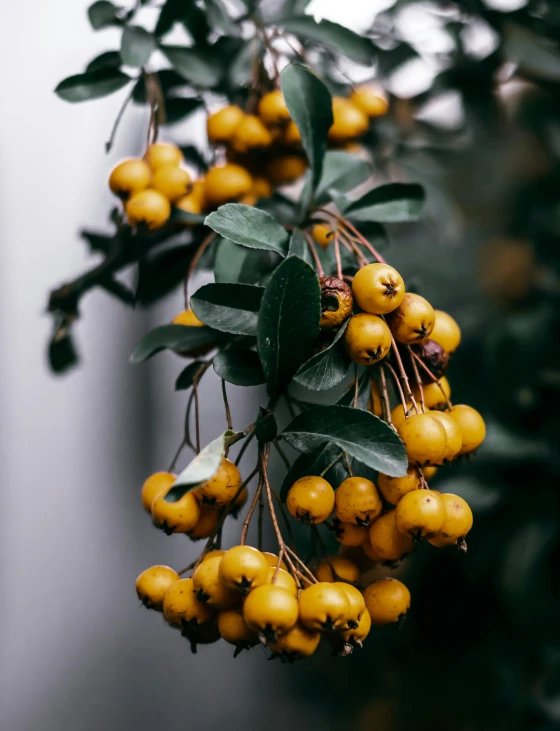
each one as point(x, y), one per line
point(168, 79)
point(240, 367)
point(310, 105)
point(334, 36)
point(531, 52)
point(62, 353)
point(314, 463)
point(103, 14)
point(288, 321)
point(179, 107)
point(299, 247)
point(200, 67)
point(174, 337)
point(180, 216)
point(137, 45)
point(162, 274)
point(266, 428)
point(91, 85)
point(347, 398)
point(250, 227)
point(231, 308)
point(361, 434)
point(341, 172)
point(201, 469)
point(326, 369)
point(118, 290)
point(107, 60)
point(185, 379)
point(390, 203)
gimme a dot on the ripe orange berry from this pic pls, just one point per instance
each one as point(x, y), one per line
point(270, 610)
point(457, 522)
point(370, 101)
point(181, 607)
point(213, 554)
point(434, 396)
point(357, 501)
point(243, 568)
point(188, 318)
point(226, 183)
point(283, 580)
point(349, 534)
point(207, 520)
point(446, 332)
point(349, 121)
point(387, 600)
point(471, 425)
point(163, 153)
point(420, 513)
point(250, 135)
point(178, 517)
point(272, 560)
point(393, 488)
point(344, 569)
point(375, 404)
point(336, 302)
point(190, 203)
point(261, 188)
point(223, 487)
point(429, 472)
point(292, 135)
point(323, 234)
point(324, 606)
point(209, 587)
point(286, 169)
point(367, 339)
point(367, 548)
point(152, 584)
point(234, 630)
point(378, 289)
point(413, 320)
point(357, 603)
point(222, 124)
point(273, 109)
point(172, 181)
point(452, 433)
point(296, 643)
point(310, 499)
point(148, 207)
point(424, 438)
point(387, 542)
point(357, 635)
point(156, 483)
point(398, 414)
point(130, 176)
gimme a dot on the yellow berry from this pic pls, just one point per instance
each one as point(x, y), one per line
point(243, 568)
point(387, 542)
point(413, 320)
point(324, 606)
point(367, 339)
point(171, 181)
point(152, 585)
point(357, 501)
point(378, 289)
point(387, 600)
point(148, 207)
point(181, 607)
point(222, 124)
point(446, 332)
point(156, 483)
point(310, 499)
point(130, 176)
point(471, 425)
point(393, 488)
point(457, 522)
point(420, 513)
point(163, 153)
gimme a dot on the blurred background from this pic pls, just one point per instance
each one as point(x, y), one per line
point(475, 117)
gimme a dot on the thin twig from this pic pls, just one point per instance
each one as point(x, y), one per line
point(402, 372)
point(252, 507)
point(306, 570)
point(226, 406)
point(314, 254)
point(383, 390)
point(177, 454)
point(194, 261)
point(417, 378)
point(432, 377)
point(196, 416)
point(398, 385)
point(120, 115)
point(244, 447)
point(332, 464)
point(356, 387)
point(337, 254)
point(282, 454)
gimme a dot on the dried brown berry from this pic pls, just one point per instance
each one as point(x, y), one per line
point(434, 357)
point(336, 302)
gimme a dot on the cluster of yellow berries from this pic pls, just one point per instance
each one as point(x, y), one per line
point(248, 597)
point(262, 151)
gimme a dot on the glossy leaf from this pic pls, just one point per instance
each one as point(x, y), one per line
point(137, 45)
point(201, 469)
point(103, 14)
point(178, 108)
point(334, 36)
point(240, 367)
point(299, 247)
point(326, 369)
point(173, 337)
point(288, 321)
point(163, 273)
point(250, 227)
point(107, 60)
point(168, 79)
point(314, 463)
point(266, 427)
point(390, 203)
point(91, 85)
point(201, 67)
point(228, 307)
point(310, 106)
point(361, 434)
point(185, 379)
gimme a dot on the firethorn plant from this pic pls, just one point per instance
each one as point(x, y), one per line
point(284, 212)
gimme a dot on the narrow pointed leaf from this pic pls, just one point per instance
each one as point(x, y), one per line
point(185, 379)
point(92, 85)
point(201, 469)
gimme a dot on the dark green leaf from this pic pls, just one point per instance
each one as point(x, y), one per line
point(175, 337)
point(91, 85)
point(334, 36)
point(361, 434)
point(179, 107)
point(239, 72)
point(201, 469)
point(118, 290)
point(325, 369)
point(219, 19)
point(299, 247)
point(314, 463)
point(347, 398)
point(533, 54)
point(288, 321)
point(168, 79)
point(341, 172)
point(250, 227)
point(266, 428)
point(103, 14)
point(107, 60)
point(185, 379)
point(169, 14)
point(236, 263)
point(98, 242)
point(180, 216)
point(231, 308)
point(310, 105)
point(390, 203)
point(160, 275)
point(200, 67)
point(240, 367)
point(137, 45)
point(193, 155)
point(62, 353)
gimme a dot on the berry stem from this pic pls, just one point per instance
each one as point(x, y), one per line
point(306, 570)
point(118, 119)
point(363, 241)
point(402, 371)
point(386, 404)
point(398, 385)
point(314, 254)
point(431, 376)
point(356, 388)
point(244, 447)
point(417, 378)
point(226, 406)
point(337, 254)
point(194, 261)
point(332, 464)
point(350, 244)
point(254, 502)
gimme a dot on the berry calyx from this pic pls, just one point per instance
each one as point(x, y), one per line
point(271, 611)
point(420, 513)
point(181, 608)
point(357, 501)
point(413, 320)
point(243, 568)
point(324, 607)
